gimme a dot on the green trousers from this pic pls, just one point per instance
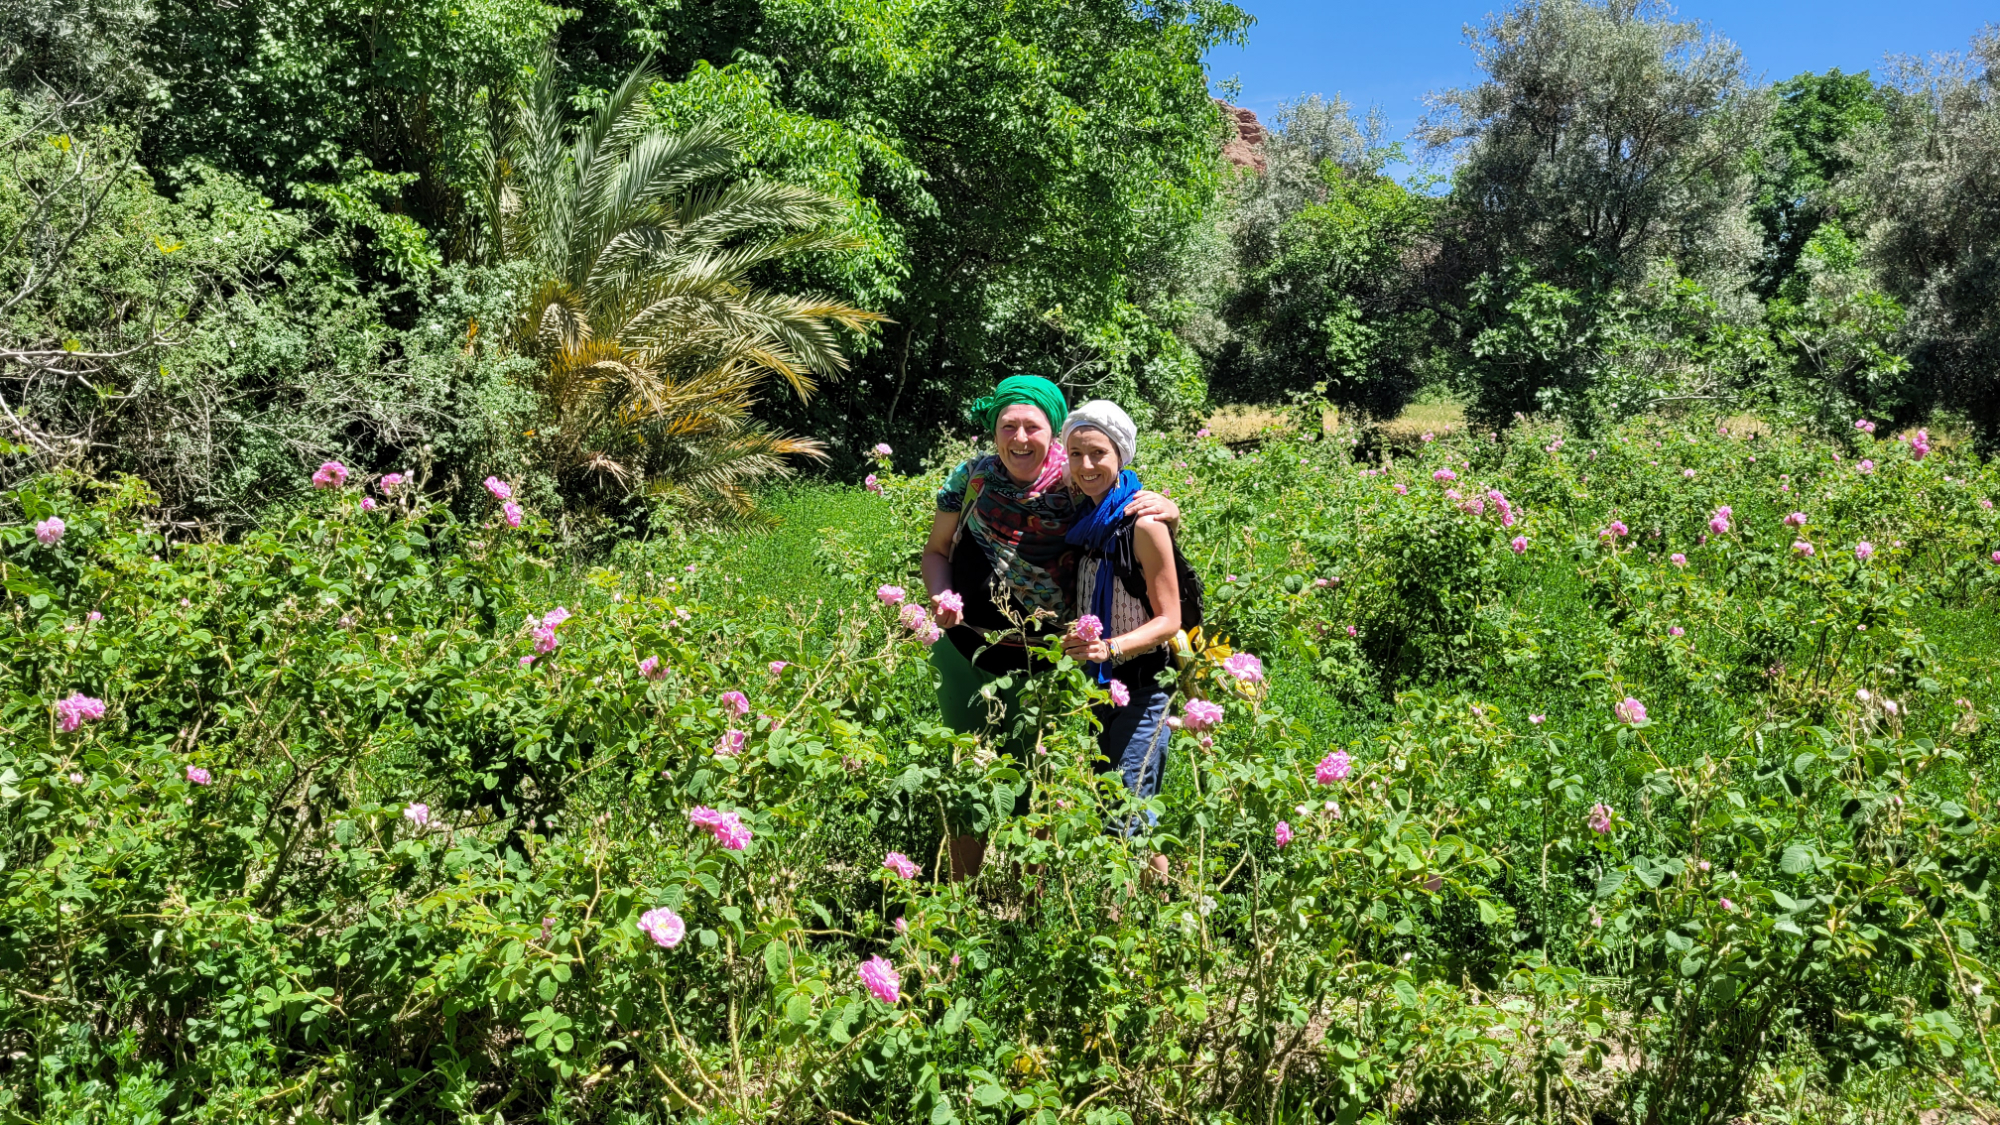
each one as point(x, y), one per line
point(967, 711)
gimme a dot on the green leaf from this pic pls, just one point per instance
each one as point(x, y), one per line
point(1797, 859)
point(1648, 873)
point(1406, 994)
point(989, 1094)
point(1609, 882)
point(777, 959)
point(954, 1016)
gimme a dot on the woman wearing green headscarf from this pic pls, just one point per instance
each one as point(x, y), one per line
point(998, 563)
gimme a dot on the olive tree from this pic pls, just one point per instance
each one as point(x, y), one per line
point(1606, 139)
point(1930, 172)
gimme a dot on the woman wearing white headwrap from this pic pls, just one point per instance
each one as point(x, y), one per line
point(1127, 582)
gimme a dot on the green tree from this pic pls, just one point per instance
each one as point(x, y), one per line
point(79, 47)
point(1804, 155)
point(650, 337)
point(209, 341)
point(289, 93)
point(1058, 153)
point(1332, 299)
point(1930, 173)
point(1606, 137)
point(1842, 333)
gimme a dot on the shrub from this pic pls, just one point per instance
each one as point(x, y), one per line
point(386, 810)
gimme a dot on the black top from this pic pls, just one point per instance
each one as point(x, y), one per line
point(973, 578)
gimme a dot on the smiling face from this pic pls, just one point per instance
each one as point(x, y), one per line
point(1093, 461)
point(1022, 435)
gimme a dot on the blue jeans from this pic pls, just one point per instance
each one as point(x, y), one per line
point(1133, 743)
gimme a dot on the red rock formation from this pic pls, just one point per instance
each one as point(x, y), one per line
point(1245, 147)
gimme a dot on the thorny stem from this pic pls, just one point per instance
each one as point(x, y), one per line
point(1978, 1024)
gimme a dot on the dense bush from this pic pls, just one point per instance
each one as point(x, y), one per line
point(199, 336)
point(1656, 817)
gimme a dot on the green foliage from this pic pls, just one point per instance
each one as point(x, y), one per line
point(650, 338)
point(1604, 136)
point(1842, 334)
point(1929, 173)
point(1787, 865)
point(80, 48)
point(1445, 935)
point(1053, 150)
point(847, 165)
point(214, 343)
point(1331, 301)
point(1535, 346)
point(1806, 153)
point(290, 93)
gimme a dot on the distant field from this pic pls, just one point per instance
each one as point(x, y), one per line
point(1242, 423)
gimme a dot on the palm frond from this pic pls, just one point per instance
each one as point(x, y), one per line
point(717, 214)
point(615, 195)
point(610, 128)
point(652, 342)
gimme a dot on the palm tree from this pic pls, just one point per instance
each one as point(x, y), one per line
point(650, 340)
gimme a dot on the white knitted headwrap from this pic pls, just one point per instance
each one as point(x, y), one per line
point(1106, 416)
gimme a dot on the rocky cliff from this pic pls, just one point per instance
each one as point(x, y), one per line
point(1245, 147)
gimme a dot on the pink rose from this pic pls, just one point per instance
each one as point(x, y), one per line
point(881, 979)
point(1200, 714)
point(661, 924)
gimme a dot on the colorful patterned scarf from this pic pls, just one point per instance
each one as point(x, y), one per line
point(1021, 528)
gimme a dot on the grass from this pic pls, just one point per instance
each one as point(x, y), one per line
point(1420, 418)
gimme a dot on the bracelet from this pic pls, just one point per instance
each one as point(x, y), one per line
point(1116, 652)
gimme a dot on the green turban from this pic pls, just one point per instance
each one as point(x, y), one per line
point(1033, 390)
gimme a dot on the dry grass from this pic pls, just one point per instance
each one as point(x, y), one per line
point(1247, 423)
point(1419, 419)
point(1238, 424)
point(1747, 426)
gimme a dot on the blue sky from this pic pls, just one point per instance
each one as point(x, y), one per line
point(1390, 53)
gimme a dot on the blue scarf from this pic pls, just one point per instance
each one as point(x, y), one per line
point(1095, 532)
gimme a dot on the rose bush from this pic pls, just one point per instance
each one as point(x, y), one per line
point(377, 814)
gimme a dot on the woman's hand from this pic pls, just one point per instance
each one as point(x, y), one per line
point(947, 609)
point(1093, 652)
point(1155, 505)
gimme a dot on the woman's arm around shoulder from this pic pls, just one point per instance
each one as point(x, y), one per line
point(1153, 541)
point(1152, 505)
